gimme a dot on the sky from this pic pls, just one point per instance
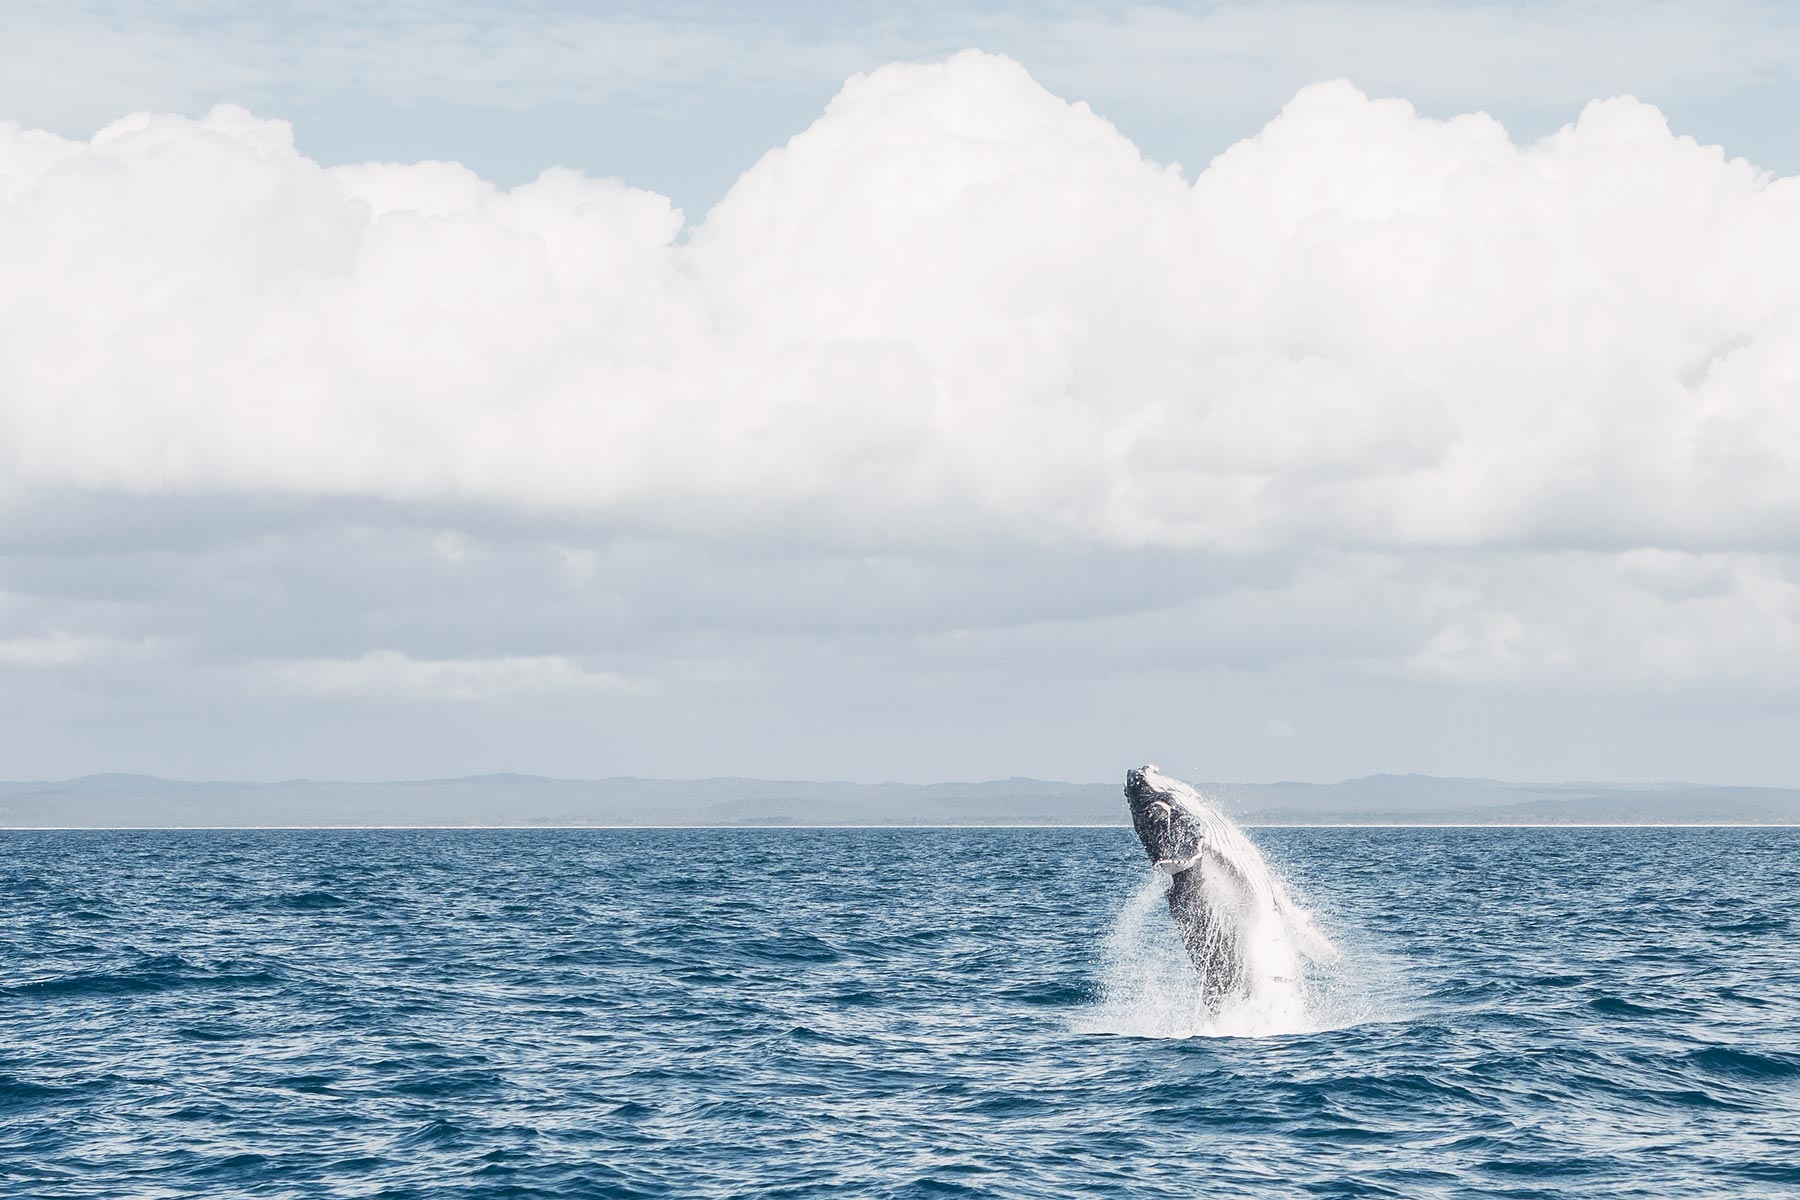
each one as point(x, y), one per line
point(1275, 391)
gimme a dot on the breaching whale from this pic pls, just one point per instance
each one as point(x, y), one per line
point(1244, 933)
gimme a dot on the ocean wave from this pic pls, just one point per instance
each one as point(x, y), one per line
point(997, 1013)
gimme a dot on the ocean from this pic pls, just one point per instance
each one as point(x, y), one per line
point(888, 1013)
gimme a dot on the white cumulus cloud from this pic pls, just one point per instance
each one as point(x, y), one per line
point(955, 305)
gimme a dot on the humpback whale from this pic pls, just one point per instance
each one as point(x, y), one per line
point(1242, 930)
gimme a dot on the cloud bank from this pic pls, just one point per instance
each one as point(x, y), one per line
point(955, 390)
point(956, 306)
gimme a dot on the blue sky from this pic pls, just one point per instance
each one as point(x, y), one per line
point(368, 409)
point(681, 98)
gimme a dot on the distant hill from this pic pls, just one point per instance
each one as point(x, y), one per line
point(100, 801)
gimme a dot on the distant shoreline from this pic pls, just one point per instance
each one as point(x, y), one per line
point(765, 828)
point(533, 802)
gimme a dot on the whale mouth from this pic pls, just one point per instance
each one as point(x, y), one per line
point(1172, 835)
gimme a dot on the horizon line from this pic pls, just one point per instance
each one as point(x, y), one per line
point(777, 828)
point(527, 775)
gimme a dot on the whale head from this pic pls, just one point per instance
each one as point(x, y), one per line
point(1164, 813)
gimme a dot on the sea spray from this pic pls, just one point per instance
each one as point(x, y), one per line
point(1254, 961)
point(1149, 988)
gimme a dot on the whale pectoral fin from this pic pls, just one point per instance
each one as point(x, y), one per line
point(1225, 867)
point(1308, 937)
point(1175, 866)
point(1311, 939)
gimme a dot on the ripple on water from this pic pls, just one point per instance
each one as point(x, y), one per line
point(996, 1013)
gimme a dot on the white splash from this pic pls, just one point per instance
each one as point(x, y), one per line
point(1149, 987)
point(1291, 972)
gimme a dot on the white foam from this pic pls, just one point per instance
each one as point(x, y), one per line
point(1293, 980)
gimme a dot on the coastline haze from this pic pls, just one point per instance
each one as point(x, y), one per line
point(129, 801)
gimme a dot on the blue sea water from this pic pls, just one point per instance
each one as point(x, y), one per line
point(813, 1013)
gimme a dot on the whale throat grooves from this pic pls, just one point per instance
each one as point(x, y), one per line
point(1211, 939)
